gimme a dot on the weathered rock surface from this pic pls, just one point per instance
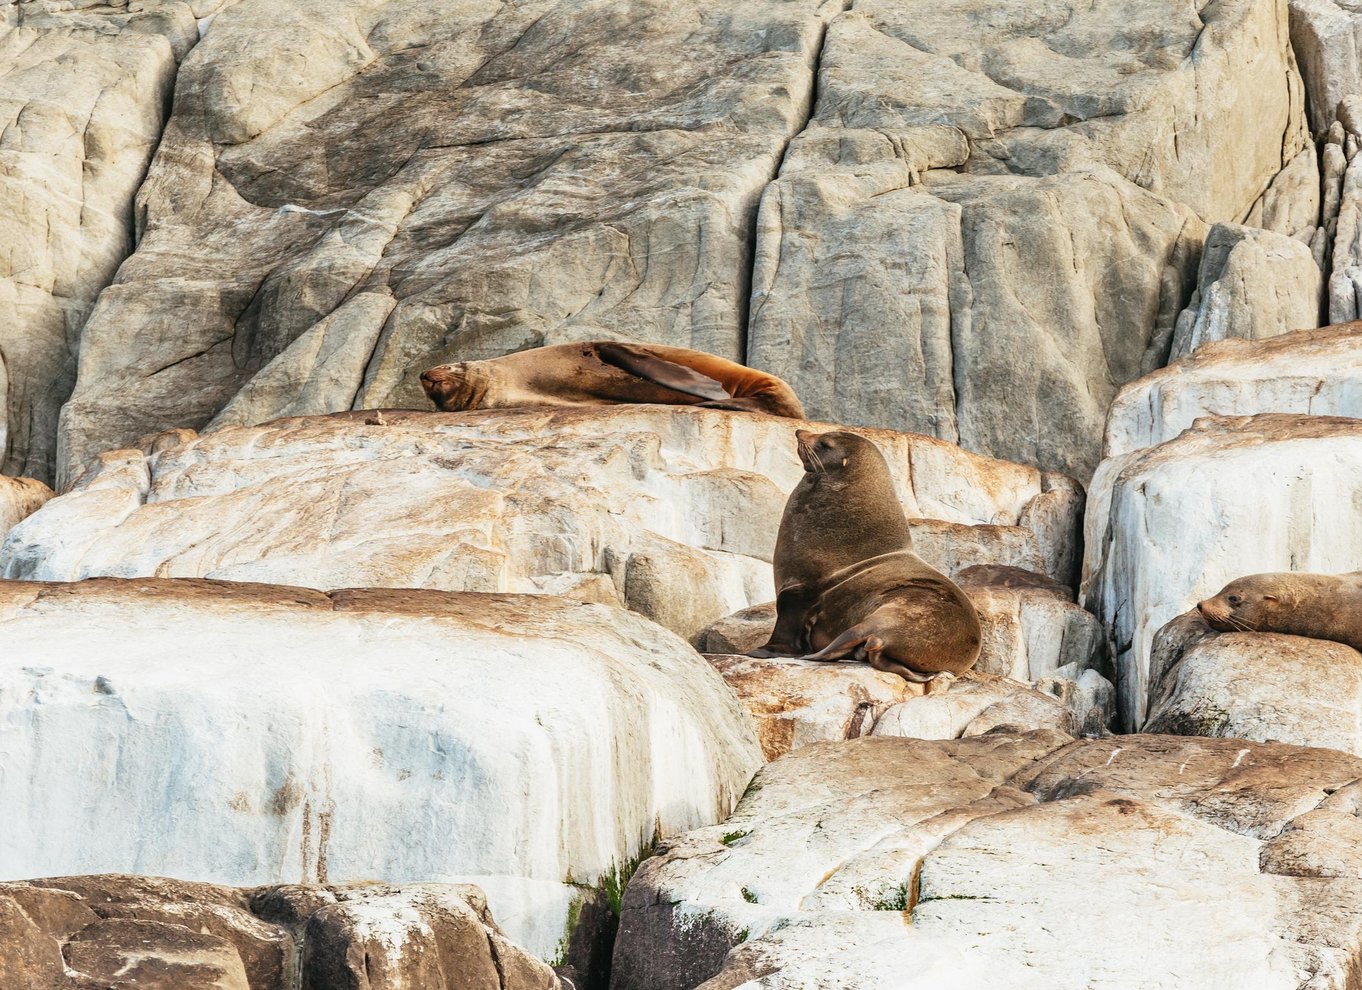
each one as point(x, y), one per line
point(75, 933)
point(19, 499)
point(1252, 284)
point(1317, 372)
point(942, 865)
point(1260, 686)
point(1170, 525)
point(83, 92)
point(1327, 38)
point(990, 206)
point(254, 734)
point(669, 512)
point(337, 206)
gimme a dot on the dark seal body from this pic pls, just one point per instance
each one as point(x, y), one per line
point(601, 372)
point(1320, 606)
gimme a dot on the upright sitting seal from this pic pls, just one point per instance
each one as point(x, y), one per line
point(848, 583)
point(1320, 606)
point(599, 373)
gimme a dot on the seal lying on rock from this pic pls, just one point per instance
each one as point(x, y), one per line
point(848, 582)
point(599, 373)
point(1319, 606)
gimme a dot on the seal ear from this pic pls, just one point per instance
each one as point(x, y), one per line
point(668, 374)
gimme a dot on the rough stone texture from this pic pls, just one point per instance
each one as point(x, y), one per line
point(1345, 278)
point(1252, 284)
point(1327, 38)
point(994, 204)
point(1170, 525)
point(1023, 861)
point(1260, 686)
point(338, 204)
point(150, 933)
point(670, 512)
point(797, 702)
point(83, 92)
point(245, 734)
point(1318, 372)
point(19, 499)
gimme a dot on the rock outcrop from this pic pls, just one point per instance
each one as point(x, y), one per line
point(83, 92)
point(943, 865)
point(1314, 372)
point(1168, 526)
point(254, 734)
point(74, 933)
point(1260, 686)
point(19, 499)
point(671, 512)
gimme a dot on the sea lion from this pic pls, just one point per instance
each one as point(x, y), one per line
point(601, 372)
point(899, 613)
point(1320, 606)
point(843, 511)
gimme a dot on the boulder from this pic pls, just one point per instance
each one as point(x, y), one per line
point(1261, 686)
point(336, 206)
point(987, 206)
point(19, 499)
point(252, 734)
point(1168, 526)
point(671, 512)
point(1252, 284)
point(1316, 372)
point(1017, 860)
point(159, 934)
point(82, 102)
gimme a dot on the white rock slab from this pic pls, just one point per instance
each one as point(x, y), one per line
point(1318, 372)
point(248, 734)
point(1260, 686)
point(671, 513)
point(1252, 284)
point(1012, 860)
point(1170, 525)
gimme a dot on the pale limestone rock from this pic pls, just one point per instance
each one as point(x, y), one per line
point(1327, 38)
point(83, 90)
point(1168, 526)
point(1291, 204)
point(524, 744)
point(991, 205)
point(1022, 861)
point(1252, 284)
point(1316, 372)
point(1260, 686)
point(19, 499)
point(672, 512)
point(339, 203)
point(1345, 279)
point(160, 934)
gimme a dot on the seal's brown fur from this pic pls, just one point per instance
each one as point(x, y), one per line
point(600, 372)
point(1320, 606)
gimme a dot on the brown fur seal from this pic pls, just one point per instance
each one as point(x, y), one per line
point(899, 613)
point(843, 511)
point(599, 372)
point(1320, 606)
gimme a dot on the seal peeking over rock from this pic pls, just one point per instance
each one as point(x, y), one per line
point(601, 372)
point(848, 583)
point(1318, 606)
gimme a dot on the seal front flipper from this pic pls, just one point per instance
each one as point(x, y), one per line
point(789, 638)
point(669, 374)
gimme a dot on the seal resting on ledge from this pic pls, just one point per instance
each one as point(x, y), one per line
point(601, 372)
point(848, 583)
point(1317, 606)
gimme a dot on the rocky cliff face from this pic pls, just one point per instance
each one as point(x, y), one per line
point(1084, 273)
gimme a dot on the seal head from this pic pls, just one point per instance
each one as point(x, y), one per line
point(456, 387)
point(1318, 606)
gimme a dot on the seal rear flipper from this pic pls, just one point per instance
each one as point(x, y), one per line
point(660, 371)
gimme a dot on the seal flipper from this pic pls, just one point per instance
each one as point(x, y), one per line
point(669, 374)
point(788, 639)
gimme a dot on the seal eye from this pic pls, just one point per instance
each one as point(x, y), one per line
point(1235, 601)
